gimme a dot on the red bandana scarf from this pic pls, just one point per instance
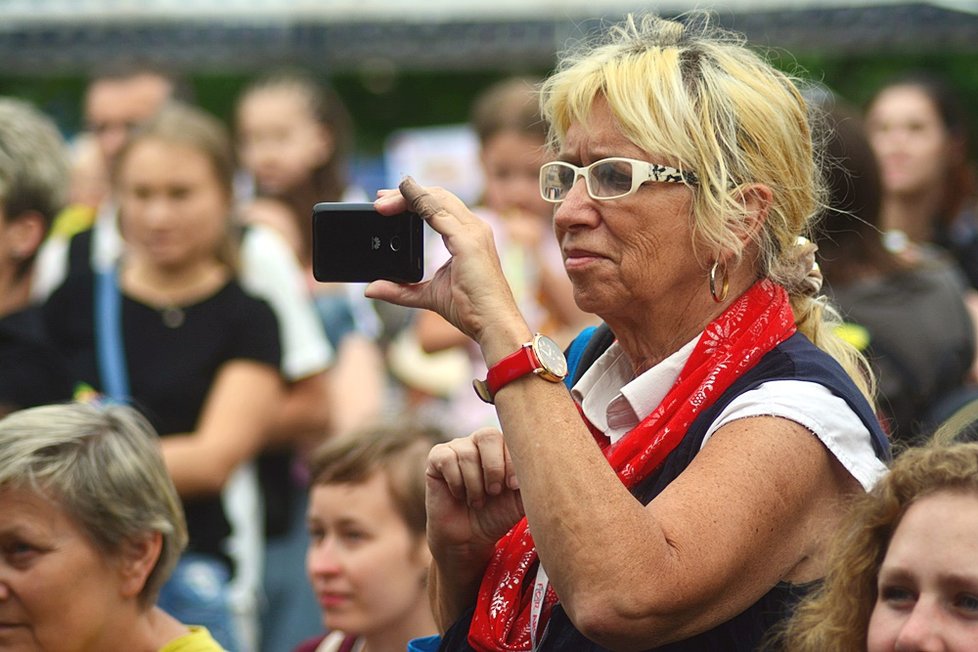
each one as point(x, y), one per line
point(730, 345)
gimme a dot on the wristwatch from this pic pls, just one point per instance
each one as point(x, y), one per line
point(540, 356)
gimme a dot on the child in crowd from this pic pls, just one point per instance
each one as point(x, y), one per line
point(294, 137)
point(513, 145)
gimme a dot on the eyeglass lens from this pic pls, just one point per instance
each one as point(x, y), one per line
point(611, 178)
point(605, 179)
point(558, 179)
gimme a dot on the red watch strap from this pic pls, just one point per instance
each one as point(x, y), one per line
point(513, 366)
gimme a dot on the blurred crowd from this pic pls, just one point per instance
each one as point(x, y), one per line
point(162, 260)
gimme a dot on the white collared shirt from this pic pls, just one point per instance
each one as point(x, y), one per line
point(615, 401)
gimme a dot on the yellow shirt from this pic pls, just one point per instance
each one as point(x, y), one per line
point(198, 640)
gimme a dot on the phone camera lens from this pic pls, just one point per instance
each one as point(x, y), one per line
point(396, 243)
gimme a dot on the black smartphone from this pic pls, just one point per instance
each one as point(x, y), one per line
point(353, 243)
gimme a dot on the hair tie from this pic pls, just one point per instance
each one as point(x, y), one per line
point(810, 274)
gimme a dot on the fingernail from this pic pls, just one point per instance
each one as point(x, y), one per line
point(408, 180)
point(495, 488)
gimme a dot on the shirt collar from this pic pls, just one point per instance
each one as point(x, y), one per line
point(614, 400)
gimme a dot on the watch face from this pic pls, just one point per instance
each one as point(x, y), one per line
point(550, 356)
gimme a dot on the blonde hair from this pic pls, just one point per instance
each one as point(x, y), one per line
point(697, 94)
point(961, 426)
point(836, 617)
point(103, 466)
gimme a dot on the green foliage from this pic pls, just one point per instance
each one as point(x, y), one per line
point(383, 101)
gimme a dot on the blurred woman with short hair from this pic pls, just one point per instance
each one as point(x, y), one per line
point(91, 528)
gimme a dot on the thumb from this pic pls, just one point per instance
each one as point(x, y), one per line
point(409, 296)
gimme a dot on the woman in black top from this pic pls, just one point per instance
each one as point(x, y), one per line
point(202, 356)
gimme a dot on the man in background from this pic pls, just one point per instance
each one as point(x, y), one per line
point(33, 182)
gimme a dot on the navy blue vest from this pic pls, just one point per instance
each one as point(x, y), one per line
point(794, 359)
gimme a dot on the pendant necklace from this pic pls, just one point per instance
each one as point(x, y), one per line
point(173, 316)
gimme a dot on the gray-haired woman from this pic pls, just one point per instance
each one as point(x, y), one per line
point(90, 528)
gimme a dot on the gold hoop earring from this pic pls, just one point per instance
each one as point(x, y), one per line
point(724, 285)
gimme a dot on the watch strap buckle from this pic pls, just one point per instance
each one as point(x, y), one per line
point(482, 390)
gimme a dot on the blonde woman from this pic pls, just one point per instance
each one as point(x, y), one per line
point(681, 495)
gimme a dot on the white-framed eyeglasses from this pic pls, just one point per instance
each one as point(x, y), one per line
point(609, 178)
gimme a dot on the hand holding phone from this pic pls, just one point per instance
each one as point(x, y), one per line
point(353, 243)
